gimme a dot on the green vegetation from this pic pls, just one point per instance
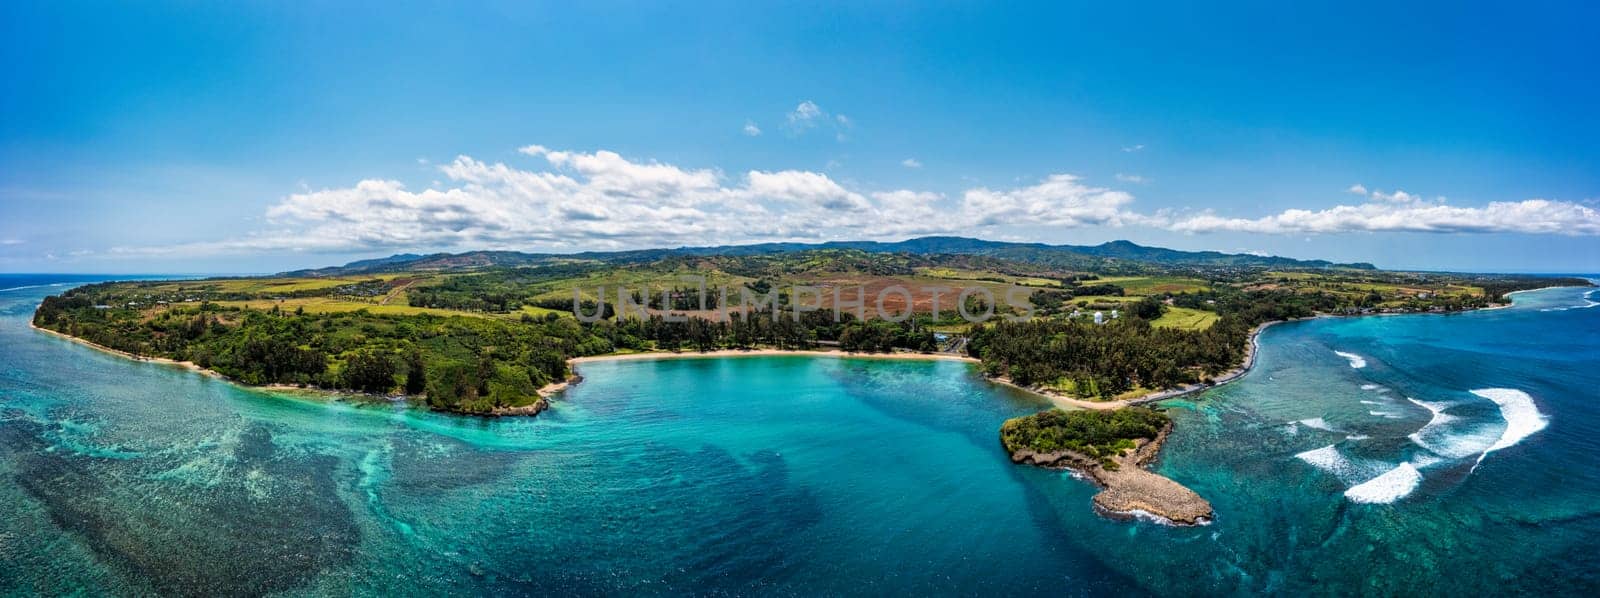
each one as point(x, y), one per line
point(505, 361)
point(1184, 318)
point(484, 331)
point(1154, 346)
point(1094, 433)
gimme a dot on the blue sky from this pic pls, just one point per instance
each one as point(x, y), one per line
point(267, 136)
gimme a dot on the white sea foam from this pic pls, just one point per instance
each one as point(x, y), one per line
point(1356, 361)
point(1588, 302)
point(1318, 423)
point(30, 286)
point(1370, 387)
point(1388, 414)
point(1447, 435)
point(1422, 460)
point(1394, 485)
point(1365, 402)
point(1521, 414)
point(1328, 459)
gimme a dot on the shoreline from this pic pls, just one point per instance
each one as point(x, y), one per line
point(558, 387)
point(1251, 349)
point(188, 365)
point(834, 353)
point(1250, 352)
point(303, 392)
point(545, 392)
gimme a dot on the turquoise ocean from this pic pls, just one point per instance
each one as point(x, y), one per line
point(1399, 455)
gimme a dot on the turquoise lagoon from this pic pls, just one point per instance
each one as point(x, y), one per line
point(1459, 456)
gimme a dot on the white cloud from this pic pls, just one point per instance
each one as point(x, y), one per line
point(1404, 212)
point(601, 199)
point(805, 115)
point(1130, 178)
point(610, 173)
point(911, 163)
point(751, 129)
point(808, 115)
point(1060, 200)
point(1357, 189)
point(811, 188)
point(11, 241)
point(1396, 197)
point(1133, 148)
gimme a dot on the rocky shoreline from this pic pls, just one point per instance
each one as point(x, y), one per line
point(1130, 490)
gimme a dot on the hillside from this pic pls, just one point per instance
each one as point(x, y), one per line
point(1115, 257)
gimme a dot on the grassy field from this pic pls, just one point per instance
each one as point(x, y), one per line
point(1186, 318)
point(637, 280)
point(262, 285)
point(1151, 285)
point(322, 305)
point(959, 274)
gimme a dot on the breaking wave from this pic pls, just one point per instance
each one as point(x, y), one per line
point(34, 286)
point(1328, 459)
point(1394, 485)
point(1588, 302)
point(1356, 361)
point(1318, 423)
point(1521, 414)
point(1443, 434)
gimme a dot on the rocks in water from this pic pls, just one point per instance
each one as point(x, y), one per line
point(536, 407)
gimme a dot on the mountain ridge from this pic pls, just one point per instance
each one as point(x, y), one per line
point(1082, 257)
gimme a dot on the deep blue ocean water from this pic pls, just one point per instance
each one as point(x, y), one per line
point(789, 475)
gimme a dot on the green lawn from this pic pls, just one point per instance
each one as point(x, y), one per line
point(1186, 318)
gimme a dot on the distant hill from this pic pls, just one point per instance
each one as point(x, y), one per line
point(1114, 256)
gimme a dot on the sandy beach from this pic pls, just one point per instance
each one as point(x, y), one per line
point(189, 365)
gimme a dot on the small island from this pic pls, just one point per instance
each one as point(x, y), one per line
point(1111, 448)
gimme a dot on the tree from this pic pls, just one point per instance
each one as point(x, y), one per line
point(451, 385)
point(369, 371)
point(1148, 308)
point(416, 373)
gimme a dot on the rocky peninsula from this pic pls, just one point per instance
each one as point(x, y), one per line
point(1111, 448)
